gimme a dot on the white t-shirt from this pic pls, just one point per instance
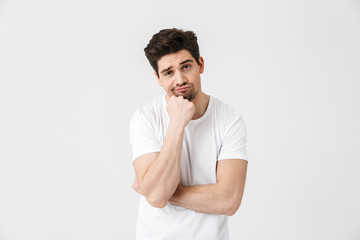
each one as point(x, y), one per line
point(219, 134)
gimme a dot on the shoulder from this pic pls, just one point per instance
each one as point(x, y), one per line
point(224, 111)
point(149, 112)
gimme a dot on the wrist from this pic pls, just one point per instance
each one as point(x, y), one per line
point(176, 126)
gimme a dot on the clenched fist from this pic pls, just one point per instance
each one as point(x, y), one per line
point(180, 110)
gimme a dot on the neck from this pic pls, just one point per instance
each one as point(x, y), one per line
point(201, 103)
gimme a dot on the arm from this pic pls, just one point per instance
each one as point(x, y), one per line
point(223, 197)
point(158, 174)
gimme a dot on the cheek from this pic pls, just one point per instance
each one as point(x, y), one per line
point(196, 79)
point(168, 87)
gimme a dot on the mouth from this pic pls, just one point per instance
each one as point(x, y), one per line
point(182, 89)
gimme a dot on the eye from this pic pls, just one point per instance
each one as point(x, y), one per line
point(187, 66)
point(168, 73)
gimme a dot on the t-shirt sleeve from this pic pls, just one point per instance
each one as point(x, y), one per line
point(142, 136)
point(234, 141)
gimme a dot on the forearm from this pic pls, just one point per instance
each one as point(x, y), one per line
point(162, 178)
point(209, 198)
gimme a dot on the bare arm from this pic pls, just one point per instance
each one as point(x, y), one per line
point(223, 197)
point(158, 174)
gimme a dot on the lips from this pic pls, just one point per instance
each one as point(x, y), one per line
point(182, 89)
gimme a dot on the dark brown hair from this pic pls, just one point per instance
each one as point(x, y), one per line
point(169, 41)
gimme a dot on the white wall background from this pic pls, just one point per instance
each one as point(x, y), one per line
point(73, 72)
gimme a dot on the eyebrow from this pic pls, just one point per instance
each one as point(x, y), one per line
point(183, 62)
point(167, 69)
point(186, 61)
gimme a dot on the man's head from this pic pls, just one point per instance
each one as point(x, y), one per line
point(174, 55)
point(169, 41)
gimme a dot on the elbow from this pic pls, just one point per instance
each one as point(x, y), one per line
point(232, 206)
point(156, 201)
point(156, 198)
point(231, 212)
point(153, 199)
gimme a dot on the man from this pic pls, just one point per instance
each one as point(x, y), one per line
point(188, 148)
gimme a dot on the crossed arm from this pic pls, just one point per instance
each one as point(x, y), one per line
point(158, 173)
point(223, 197)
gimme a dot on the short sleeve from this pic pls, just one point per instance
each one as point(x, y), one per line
point(142, 136)
point(234, 141)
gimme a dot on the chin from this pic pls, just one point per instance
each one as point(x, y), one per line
point(188, 96)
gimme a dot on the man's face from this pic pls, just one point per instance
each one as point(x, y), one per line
point(179, 74)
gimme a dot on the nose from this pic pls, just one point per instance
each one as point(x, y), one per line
point(179, 79)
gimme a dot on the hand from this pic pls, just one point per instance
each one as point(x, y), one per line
point(180, 110)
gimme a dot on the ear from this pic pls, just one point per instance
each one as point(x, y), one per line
point(201, 65)
point(158, 79)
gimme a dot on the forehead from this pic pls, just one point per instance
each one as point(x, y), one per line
point(174, 59)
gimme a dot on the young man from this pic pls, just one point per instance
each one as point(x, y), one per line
point(188, 148)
